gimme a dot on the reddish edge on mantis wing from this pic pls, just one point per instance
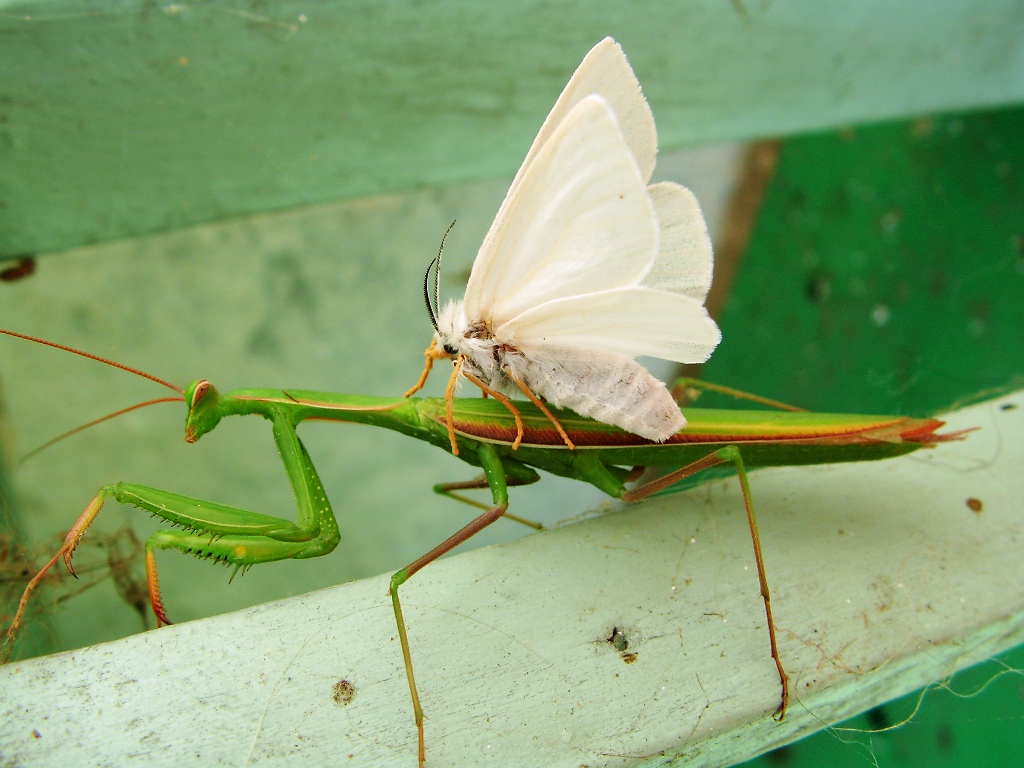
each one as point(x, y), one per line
point(703, 426)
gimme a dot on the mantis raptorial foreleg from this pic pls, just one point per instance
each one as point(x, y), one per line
point(230, 535)
point(729, 453)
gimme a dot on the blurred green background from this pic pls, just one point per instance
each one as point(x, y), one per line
point(886, 274)
point(177, 170)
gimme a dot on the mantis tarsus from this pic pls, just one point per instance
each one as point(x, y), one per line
point(604, 456)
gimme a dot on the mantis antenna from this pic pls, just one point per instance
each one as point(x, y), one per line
point(105, 361)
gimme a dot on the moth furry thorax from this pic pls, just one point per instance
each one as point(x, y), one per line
point(484, 354)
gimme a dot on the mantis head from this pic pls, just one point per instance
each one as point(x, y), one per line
point(204, 411)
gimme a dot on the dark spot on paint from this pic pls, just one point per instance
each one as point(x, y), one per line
point(22, 267)
point(877, 718)
point(1007, 406)
point(780, 756)
point(620, 643)
point(818, 286)
point(974, 504)
point(618, 640)
point(344, 692)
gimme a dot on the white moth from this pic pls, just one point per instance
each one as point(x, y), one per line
point(586, 266)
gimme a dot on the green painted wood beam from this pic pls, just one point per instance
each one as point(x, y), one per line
point(120, 118)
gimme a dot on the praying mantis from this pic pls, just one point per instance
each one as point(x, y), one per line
point(605, 456)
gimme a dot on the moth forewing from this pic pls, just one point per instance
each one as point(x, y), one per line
point(606, 72)
point(635, 320)
point(580, 221)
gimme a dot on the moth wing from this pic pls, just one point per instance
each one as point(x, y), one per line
point(685, 262)
point(606, 72)
point(580, 221)
point(635, 320)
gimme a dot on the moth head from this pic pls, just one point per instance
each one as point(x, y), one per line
point(451, 327)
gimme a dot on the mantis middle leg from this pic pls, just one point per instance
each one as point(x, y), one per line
point(498, 478)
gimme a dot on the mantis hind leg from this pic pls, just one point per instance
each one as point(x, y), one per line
point(683, 383)
point(730, 453)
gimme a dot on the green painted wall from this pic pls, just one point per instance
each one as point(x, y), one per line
point(128, 117)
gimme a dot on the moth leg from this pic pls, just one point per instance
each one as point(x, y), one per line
point(448, 489)
point(504, 401)
point(540, 404)
point(449, 393)
point(730, 453)
point(683, 383)
point(431, 354)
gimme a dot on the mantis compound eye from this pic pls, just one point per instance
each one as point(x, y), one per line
point(200, 390)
